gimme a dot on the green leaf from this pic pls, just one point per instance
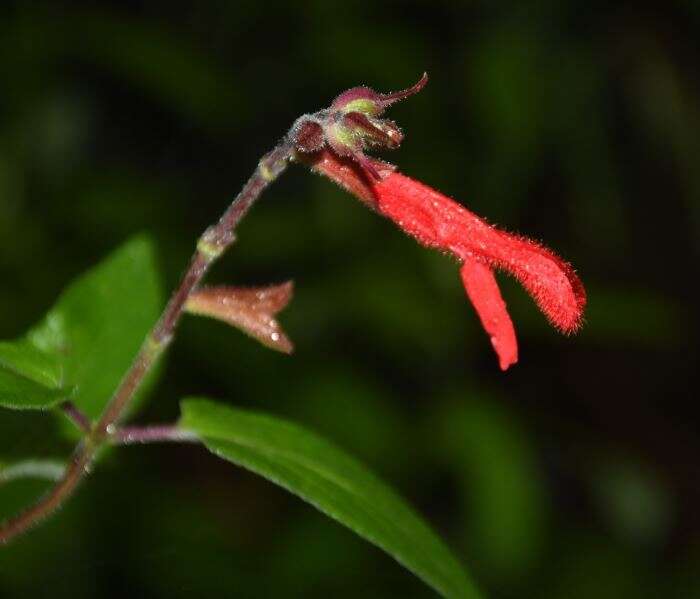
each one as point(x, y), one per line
point(100, 321)
point(29, 377)
point(331, 481)
point(87, 341)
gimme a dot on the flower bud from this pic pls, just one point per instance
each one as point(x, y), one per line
point(439, 222)
point(352, 125)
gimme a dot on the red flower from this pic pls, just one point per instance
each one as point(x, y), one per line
point(333, 141)
point(438, 222)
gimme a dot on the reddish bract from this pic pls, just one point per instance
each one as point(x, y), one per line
point(250, 309)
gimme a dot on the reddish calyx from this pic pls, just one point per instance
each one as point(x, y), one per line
point(249, 309)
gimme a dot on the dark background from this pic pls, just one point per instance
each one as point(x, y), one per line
point(574, 474)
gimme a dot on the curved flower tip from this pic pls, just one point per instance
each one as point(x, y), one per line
point(365, 100)
point(549, 279)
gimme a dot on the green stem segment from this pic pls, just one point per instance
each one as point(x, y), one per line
point(213, 243)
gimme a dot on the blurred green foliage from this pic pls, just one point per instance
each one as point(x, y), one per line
point(573, 475)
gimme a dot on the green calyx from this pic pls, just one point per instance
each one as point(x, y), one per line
point(364, 106)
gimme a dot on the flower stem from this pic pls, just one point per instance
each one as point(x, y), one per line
point(213, 243)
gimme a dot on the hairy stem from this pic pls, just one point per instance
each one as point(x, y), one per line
point(129, 435)
point(213, 243)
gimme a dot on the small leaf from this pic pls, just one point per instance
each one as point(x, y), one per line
point(105, 315)
point(252, 310)
point(330, 480)
point(29, 377)
point(87, 341)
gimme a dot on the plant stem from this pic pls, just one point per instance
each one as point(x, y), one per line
point(76, 416)
point(213, 243)
point(129, 435)
point(53, 499)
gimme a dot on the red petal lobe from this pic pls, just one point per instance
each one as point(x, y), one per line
point(483, 291)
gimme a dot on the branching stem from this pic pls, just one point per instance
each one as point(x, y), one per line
point(131, 435)
point(213, 243)
point(76, 416)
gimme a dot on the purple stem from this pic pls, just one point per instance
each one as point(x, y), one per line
point(128, 435)
point(210, 247)
point(76, 416)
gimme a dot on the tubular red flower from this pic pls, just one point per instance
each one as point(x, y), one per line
point(439, 222)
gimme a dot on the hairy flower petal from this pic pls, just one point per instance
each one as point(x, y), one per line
point(437, 221)
point(345, 172)
point(482, 289)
